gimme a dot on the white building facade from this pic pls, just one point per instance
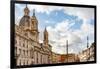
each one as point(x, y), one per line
point(28, 50)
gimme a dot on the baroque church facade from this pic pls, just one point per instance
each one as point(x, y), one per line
point(28, 50)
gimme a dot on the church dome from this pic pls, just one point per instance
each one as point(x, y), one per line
point(25, 20)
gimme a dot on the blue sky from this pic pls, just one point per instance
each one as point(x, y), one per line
point(63, 23)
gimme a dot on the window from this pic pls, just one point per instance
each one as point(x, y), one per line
point(24, 52)
point(15, 50)
point(19, 62)
point(19, 50)
point(27, 62)
point(37, 57)
point(15, 41)
point(27, 44)
point(19, 41)
point(27, 52)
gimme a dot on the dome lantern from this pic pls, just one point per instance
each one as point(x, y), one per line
point(26, 11)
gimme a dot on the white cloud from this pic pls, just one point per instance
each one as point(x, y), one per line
point(83, 13)
point(59, 34)
point(47, 21)
point(76, 38)
point(44, 9)
point(85, 30)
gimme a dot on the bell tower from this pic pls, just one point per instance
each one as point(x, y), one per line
point(34, 27)
point(45, 37)
point(34, 22)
